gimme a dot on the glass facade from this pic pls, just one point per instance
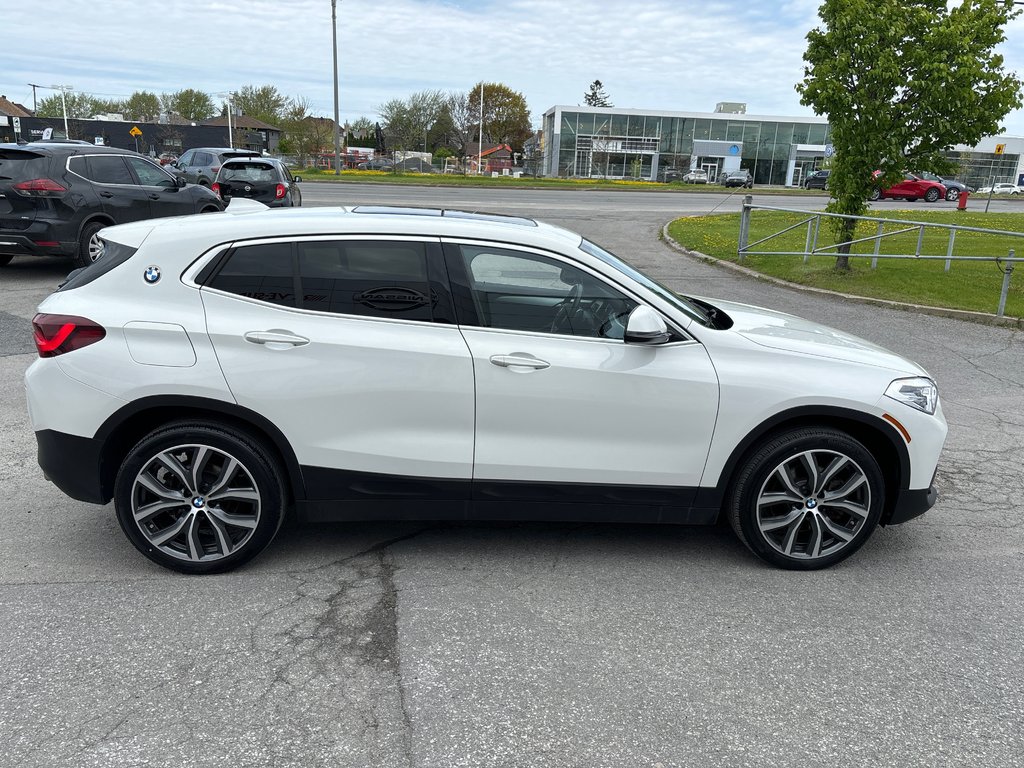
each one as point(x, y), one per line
point(620, 144)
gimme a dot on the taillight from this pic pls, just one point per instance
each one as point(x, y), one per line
point(216, 188)
point(39, 188)
point(59, 334)
point(214, 169)
point(280, 192)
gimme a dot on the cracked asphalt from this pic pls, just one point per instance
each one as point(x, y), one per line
point(513, 645)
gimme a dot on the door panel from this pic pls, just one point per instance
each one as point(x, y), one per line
point(601, 411)
point(363, 395)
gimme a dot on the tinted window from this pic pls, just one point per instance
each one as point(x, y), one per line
point(105, 169)
point(261, 272)
point(203, 159)
point(374, 278)
point(527, 292)
point(149, 175)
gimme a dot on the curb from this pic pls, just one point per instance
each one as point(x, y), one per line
point(982, 318)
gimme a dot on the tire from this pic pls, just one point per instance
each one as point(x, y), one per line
point(931, 195)
point(210, 209)
point(786, 522)
point(88, 245)
point(952, 194)
point(5, 259)
point(910, 199)
point(227, 520)
point(876, 194)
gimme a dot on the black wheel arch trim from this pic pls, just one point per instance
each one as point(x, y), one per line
point(811, 416)
point(182, 407)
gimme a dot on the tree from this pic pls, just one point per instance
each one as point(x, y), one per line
point(81, 105)
point(408, 122)
point(265, 103)
point(143, 106)
point(304, 134)
point(506, 116)
point(191, 104)
point(901, 81)
point(596, 97)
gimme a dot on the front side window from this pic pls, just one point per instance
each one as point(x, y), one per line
point(149, 175)
point(186, 159)
point(521, 291)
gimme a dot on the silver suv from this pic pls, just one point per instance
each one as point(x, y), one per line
point(200, 165)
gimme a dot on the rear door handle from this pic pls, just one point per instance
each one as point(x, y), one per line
point(521, 361)
point(276, 337)
point(106, 194)
point(154, 196)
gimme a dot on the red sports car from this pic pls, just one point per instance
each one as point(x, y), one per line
point(911, 188)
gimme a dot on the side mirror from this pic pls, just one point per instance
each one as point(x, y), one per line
point(179, 181)
point(298, 179)
point(645, 326)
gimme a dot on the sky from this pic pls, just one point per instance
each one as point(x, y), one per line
point(675, 55)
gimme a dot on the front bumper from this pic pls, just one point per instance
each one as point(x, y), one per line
point(911, 504)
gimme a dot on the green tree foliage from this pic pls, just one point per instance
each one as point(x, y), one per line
point(408, 122)
point(596, 97)
point(265, 103)
point(80, 105)
point(901, 81)
point(506, 116)
point(191, 104)
point(141, 105)
point(304, 134)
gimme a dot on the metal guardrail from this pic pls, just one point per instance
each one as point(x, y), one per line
point(812, 248)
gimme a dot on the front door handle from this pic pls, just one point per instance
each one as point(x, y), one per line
point(154, 196)
point(521, 361)
point(276, 337)
point(106, 194)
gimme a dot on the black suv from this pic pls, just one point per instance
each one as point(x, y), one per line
point(817, 180)
point(55, 197)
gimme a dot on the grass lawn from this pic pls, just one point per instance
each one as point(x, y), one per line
point(968, 285)
point(526, 182)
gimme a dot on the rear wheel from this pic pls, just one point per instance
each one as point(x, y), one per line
point(932, 195)
point(90, 247)
point(876, 194)
point(197, 498)
point(807, 499)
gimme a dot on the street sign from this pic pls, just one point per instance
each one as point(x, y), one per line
point(135, 131)
point(1000, 148)
point(17, 125)
point(47, 134)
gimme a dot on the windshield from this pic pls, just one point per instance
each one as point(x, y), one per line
point(681, 303)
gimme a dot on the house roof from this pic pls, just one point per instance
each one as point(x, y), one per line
point(242, 121)
point(490, 149)
point(12, 109)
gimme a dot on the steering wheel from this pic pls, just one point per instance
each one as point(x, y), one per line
point(567, 309)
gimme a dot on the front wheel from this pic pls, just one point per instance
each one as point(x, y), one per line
point(198, 498)
point(876, 194)
point(952, 194)
point(932, 195)
point(807, 499)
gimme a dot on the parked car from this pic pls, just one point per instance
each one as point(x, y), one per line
point(817, 180)
point(212, 374)
point(376, 164)
point(56, 196)
point(167, 158)
point(1000, 189)
point(911, 188)
point(668, 174)
point(259, 178)
point(200, 165)
point(953, 187)
point(696, 176)
point(741, 178)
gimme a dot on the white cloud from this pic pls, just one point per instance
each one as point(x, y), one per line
point(650, 54)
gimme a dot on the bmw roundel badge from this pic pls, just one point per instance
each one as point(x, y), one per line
point(151, 275)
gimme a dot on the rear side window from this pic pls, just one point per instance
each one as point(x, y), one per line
point(352, 277)
point(103, 169)
point(17, 165)
point(114, 254)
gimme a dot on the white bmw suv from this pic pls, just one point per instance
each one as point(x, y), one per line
point(212, 374)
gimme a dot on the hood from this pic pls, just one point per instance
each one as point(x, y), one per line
point(777, 330)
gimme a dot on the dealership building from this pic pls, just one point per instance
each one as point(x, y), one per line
point(606, 142)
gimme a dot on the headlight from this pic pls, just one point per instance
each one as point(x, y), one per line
point(918, 392)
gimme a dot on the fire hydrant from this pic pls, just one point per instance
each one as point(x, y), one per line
point(961, 203)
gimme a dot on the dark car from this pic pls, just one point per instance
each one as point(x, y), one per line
point(265, 179)
point(55, 197)
point(817, 180)
point(739, 178)
point(376, 164)
point(953, 187)
point(201, 164)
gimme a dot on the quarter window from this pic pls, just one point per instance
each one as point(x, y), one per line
point(528, 292)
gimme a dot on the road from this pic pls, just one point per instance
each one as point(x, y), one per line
point(533, 645)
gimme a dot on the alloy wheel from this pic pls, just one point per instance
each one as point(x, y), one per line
point(813, 504)
point(195, 503)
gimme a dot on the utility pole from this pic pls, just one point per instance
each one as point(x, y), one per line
point(231, 134)
point(33, 86)
point(64, 104)
point(337, 128)
point(480, 144)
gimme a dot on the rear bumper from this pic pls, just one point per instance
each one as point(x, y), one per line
point(30, 242)
point(72, 463)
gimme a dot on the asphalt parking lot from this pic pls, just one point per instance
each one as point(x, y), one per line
point(533, 645)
